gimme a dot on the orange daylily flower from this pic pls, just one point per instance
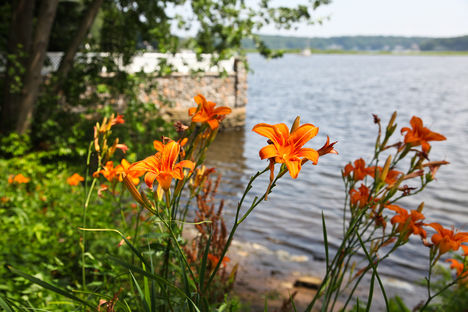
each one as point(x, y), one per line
point(286, 148)
point(109, 172)
point(162, 166)
point(446, 239)
point(458, 266)
point(390, 179)
point(359, 197)
point(410, 223)
point(214, 260)
point(159, 146)
point(75, 179)
point(200, 176)
point(327, 148)
point(123, 168)
point(18, 179)
point(420, 135)
point(206, 112)
point(117, 120)
point(359, 170)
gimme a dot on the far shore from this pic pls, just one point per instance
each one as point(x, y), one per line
point(398, 53)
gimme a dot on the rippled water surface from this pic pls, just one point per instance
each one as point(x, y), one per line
point(338, 93)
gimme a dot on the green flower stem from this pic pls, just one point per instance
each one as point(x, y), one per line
point(238, 221)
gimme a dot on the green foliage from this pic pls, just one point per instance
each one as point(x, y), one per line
point(446, 44)
point(395, 304)
point(363, 43)
point(454, 298)
point(65, 133)
point(42, 218)
point(14, 145)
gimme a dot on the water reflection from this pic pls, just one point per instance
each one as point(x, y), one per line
point(338, 94)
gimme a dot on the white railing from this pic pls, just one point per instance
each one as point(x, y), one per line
point(148, 62)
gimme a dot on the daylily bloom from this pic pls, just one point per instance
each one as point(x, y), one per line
point(446, 239)
point(390, 179)
point(359, 170)
point(124, 168)
point(117, 120)
point(162, 166)
point(420, 135)
point(458, 266)
point(214, 260)
point(19, 178)
point(159, 146)
point(200, 176)
point(286, 148)
point(409, 223)
point(206, 112)
point(327, 148)
point(359, 197)
point(75, 179)
point(109, 172)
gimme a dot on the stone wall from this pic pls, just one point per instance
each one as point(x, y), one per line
point(173, 94)
point(224, 83)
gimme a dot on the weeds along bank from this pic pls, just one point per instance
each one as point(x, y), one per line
point(111, 236)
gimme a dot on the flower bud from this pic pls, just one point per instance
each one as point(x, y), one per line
point(420, 207)
point(295, 124)
point(386, 167)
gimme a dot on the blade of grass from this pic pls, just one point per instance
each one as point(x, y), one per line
point(133, 248)
point(153, 286)
point(5, 305)
point(371, 292)
point(374, 269)
point(203, 264)
point(50, 287)
point(140, 292)
point(152, 276)
point(325, 240)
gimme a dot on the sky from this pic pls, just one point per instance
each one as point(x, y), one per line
point(427, 18)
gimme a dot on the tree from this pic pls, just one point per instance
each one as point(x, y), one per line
point(120, 26)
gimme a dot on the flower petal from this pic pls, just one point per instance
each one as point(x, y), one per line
point(293, 167)
point(268, 151)
point(303, 134)
point(213, 123)
point(164, 180)
point(270, 132)
point(222, 110)
point(149, 179)
point(309, 153)
point(169, 155)
point(158, 145)
point(186, 164)
point(192, 110)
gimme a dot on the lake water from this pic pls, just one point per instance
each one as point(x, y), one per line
point(338, 93)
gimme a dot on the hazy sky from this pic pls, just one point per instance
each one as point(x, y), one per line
point(432, 18)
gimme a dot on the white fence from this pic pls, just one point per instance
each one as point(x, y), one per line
point(184, 62)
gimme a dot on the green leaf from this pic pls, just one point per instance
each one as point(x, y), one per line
point(159, 279)
point(50, 287)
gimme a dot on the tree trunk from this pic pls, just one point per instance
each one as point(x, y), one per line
point(19, 44)
point(33, 77)
point(67, 60)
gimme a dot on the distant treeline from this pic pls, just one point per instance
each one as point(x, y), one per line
point(363, 43)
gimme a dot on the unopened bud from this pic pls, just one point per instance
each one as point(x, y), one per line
point(133, 190)
point(386, 168)
point(392, 120)
point(295, 124)
point(420, 207)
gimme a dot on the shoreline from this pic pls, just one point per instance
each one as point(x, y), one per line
point(349, 52)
